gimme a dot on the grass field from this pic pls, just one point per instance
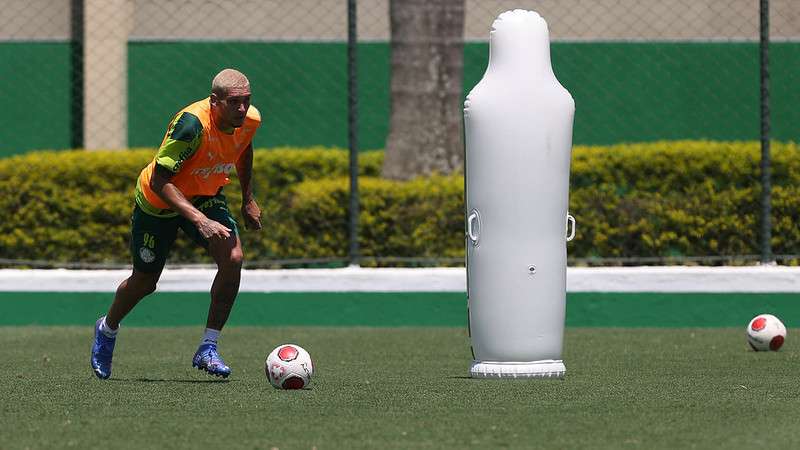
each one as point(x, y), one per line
point(399, 388)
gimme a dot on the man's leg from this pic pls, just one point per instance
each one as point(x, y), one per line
point(129, 292)
point(136, 287)
point(228, 256)
point(227, 253)
point(151, 239)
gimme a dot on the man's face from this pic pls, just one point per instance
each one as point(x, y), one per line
point(233, 108)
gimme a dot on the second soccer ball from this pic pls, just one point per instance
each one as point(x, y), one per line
point(765, 332)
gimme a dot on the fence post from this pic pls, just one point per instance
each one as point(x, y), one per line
point(766, 182)
point(76, 73)
point(352, 129)
point(107, 25)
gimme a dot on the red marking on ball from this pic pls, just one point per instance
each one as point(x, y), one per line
point(759, 324)
point(776, 343)
point(288, 353)
point(293, 383)
point(276, 371)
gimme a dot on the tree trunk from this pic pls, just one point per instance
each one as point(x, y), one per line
point(425, 129)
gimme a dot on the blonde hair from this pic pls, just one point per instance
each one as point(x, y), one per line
point(227, 79)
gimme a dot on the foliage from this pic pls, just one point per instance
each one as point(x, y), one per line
point(682, 198)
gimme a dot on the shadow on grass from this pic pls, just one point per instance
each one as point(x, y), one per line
point(161, 380)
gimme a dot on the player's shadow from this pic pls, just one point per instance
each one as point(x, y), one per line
point(174, 380)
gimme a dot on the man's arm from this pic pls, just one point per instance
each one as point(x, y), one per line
point(244, 169)
point(250, 210)
point(183, 138)
point(172, 196)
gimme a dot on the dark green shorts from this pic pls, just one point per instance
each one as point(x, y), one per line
point(152, 237)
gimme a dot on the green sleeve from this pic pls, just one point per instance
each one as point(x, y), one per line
point(183, 139)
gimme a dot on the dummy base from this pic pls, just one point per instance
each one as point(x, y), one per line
point(547, 368)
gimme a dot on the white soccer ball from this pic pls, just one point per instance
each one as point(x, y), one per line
point(765, 332)
point(289, 366)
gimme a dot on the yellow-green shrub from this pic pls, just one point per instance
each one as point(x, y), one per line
point(669, 166)
point(76, 205)
point(426, 218)
point(661, 199)
point(419, 218)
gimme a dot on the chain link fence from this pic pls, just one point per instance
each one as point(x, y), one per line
point(640, 70)
point(651, 70)
point(110, 73)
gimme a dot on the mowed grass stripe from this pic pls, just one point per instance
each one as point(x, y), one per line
point(447, 309)
point(399, 388)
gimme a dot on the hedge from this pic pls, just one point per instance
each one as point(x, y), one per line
point(425, 218)
point(115, 171)
point(685, 198)
point(668, 166)
point(75, 205)
point(418, 218)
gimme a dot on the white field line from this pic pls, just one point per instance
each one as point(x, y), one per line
point(353, 279)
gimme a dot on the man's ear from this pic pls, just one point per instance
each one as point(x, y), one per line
point(214, 98)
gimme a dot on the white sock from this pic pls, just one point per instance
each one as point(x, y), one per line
point(210, 337)
point(108, 331)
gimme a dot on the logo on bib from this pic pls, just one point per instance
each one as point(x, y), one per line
point(147, 255)
point(205, 172)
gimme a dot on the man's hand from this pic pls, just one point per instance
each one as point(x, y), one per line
point(211, 229)
point(252, 215)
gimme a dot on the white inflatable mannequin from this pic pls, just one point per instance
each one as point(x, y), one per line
point(518, 137)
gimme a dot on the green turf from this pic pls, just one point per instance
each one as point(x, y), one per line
point(395, 309)
point(398, 388)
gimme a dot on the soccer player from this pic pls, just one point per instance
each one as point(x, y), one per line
point(182, 188)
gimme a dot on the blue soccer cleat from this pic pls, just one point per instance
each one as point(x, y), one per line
point(102, 352)
point(207, 358)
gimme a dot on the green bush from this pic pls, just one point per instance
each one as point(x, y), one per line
point(670, 166)
point(424, 218)
point(278, 168)
point(106, 171)
point(419, 218)
point(684, 198)
point(75, 205)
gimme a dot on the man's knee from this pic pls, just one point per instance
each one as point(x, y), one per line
point(144, 283)
point(232, 261)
